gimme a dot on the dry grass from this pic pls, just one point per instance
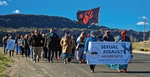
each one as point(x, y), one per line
point(141, 46)
point(4, 60)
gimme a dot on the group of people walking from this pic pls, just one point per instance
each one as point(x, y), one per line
point(47, 45)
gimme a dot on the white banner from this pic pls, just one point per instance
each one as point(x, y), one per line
point(108, 53)
point(10, 44)
point(19, 42)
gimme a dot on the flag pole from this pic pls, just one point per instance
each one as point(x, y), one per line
point(99, 17)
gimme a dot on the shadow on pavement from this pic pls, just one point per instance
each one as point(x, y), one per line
point(140, 62)
point(138, 71)
point(122, 72)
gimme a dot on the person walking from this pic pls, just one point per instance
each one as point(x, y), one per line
point(22, 46)
point(36, 42)
point(73, 47)
point(4, 41)
point(92, 38)
point(18, 44)
point(81, 57)
point(44, 48)
point(30, 45)
point(66, 43)
point(11, 46)
point(51, 43)
point(58, 49)
point(122, 38)
point(26, 46)
point(108, 37)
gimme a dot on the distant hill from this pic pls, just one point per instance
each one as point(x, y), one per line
point(18, 21)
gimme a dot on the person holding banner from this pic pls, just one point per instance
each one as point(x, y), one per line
point(92, 38)
point(108, 37)
point(80, 47)
point(10, 45)
point(122, 38)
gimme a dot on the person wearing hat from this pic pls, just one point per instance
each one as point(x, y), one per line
point(92, 38)
point(108, 37)
point(122, 38)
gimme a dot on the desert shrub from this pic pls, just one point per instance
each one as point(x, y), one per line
point(146, 50)
point(142, 49)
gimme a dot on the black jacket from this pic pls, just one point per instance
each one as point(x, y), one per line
point(51, 41)
point(25, 43)
point(4, 40)
point(35, 41)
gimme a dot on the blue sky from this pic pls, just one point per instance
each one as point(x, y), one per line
point(122, 14)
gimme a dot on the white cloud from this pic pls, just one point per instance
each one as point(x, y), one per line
point(16, 11)
point(3, 3)
point(140, 23)
point(144, 17)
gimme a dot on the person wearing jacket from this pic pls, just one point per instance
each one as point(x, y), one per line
point(26, 46)
point(30, 46)
point(22, 47)
point(66, 43)
point(122, 38)
point(51, 43)
point(36, 42)
point(80, 47)
point(4, 40)
point(92, 38)
point(18, 43)
point(108, 37)
point(11, 51)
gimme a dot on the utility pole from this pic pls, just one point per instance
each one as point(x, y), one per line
point(144, 34)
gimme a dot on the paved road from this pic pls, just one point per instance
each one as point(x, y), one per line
point(23, 67)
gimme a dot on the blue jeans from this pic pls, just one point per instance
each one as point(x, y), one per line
point(31, 52)
point(80, 54)
point(18, 49)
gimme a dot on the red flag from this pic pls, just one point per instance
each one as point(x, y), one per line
point(88, 16)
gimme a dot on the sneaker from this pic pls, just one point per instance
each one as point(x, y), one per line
point(65, 61)
point(51, 61)
point(58, 57)
point(34, 61)
point(125, 70)
point(119, 70)
point(92, 70)
point(80, 61)
point(45, 59)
